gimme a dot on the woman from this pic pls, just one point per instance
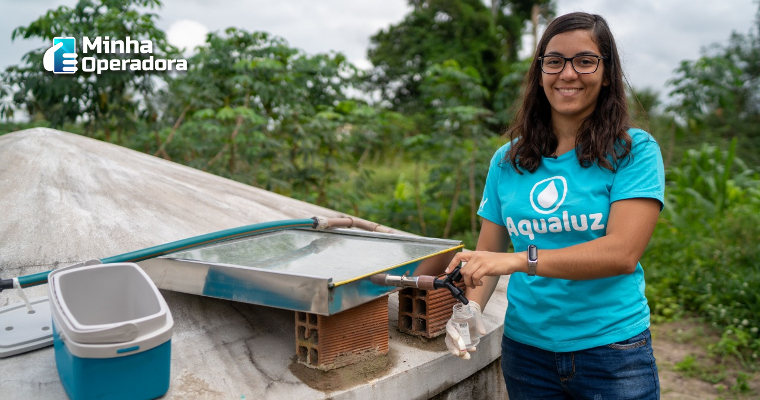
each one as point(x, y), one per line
point(585, 189)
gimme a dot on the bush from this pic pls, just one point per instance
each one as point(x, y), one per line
point(704, 257)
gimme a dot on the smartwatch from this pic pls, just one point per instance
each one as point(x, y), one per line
point(532, 260)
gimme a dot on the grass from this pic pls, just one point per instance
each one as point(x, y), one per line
point(689, 368)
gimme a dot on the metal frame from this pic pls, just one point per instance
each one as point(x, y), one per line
point(295, 291)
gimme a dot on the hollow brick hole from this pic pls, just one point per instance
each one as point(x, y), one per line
point(302, 352)
point(302, 333)
point(313, 356)
point(405, 321)
point(420, 306)
point(420, 325)
point(406, 304)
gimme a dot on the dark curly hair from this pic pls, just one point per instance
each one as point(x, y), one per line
point(602, 137)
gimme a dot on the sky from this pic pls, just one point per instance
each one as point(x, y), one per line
point(653, 36)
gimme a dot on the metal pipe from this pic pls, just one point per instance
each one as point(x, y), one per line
point(424, 282)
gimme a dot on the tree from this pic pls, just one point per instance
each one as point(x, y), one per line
point(486, 39)
point(718, 95)
point(255, 109)
point(110, 101)
point(511, 17)
point(459, 133)
point(440, 198)
point(433, 32)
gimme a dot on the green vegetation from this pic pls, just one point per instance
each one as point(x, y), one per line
point(254, 109)
point(703, 258)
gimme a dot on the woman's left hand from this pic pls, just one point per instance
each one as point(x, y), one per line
point(477, 264)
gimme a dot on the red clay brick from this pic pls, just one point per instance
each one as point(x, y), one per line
point(353, 335)
point(425, 312)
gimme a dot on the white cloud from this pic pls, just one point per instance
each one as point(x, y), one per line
point(313, 26)
point(186, 35)
point(653, 36)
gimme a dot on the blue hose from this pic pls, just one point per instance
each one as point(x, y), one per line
point(183, 244)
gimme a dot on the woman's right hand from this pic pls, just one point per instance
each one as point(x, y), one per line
point(479, 264)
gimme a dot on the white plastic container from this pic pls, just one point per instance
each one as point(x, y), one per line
point(111, 332)
point(463, 317)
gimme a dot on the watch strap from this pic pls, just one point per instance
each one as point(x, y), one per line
point(532, 260)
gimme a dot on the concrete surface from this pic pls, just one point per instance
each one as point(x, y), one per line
point(67, 198)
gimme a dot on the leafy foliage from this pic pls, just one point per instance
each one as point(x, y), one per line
point(466, 31)
point(435, 31)
point(718, 95)
point(704, 257)
point(268, 115)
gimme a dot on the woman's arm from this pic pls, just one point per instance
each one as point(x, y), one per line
point(629, 227)
point(492, 238)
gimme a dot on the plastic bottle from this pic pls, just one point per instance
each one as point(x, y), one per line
point(463, 318)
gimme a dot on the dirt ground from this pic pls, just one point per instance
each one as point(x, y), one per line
point(704, 378)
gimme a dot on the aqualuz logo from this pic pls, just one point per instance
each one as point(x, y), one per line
point(61, 58)
point(548, 194)
point(546, 198)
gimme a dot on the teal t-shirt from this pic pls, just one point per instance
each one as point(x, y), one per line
point(559, 205)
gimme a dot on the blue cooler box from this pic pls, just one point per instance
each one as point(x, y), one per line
point(111, 332)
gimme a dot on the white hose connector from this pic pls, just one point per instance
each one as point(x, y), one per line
point(22, 294)
point(322, 223)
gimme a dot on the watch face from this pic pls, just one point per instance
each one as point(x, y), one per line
point(532, 253)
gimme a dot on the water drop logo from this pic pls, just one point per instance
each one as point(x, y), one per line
point(548, 195)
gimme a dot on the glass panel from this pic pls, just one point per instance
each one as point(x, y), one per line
point(316, 254)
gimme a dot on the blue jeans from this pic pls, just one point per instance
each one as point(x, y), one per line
point(622, 370)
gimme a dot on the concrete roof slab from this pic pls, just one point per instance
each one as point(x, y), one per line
point(67, 198)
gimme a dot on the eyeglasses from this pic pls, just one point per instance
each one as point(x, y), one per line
point(582, 64)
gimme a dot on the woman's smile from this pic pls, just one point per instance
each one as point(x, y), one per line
point(568, 91)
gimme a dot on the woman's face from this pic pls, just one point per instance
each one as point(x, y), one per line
point(572, 96)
